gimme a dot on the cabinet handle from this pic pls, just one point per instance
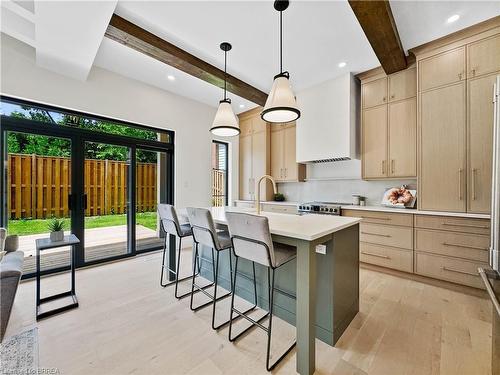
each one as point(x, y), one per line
point(384, 99)
point(474, 170)
point(467, 225)
point(465, 246)
point(377, 234)
point(460, 184)
point(375, 218)
point(375, 255)
point(383, 166)
point(393, 96)
point(392, 166)
point(473, 71)
point(458, 271)
point(285, 172)
point(281, 172)
point(459, 76)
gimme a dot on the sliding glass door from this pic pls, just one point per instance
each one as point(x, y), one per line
point(103, 178)
point(106, 201)
point(38, 187)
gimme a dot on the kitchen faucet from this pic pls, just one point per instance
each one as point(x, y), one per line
point(257, 187)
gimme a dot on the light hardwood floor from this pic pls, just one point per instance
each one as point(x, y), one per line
point(128, 324)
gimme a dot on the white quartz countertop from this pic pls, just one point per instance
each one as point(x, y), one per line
point(284, 203)
point(305, 227)
point(415, 211)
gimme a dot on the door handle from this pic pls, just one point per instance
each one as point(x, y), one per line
point(460, 184)
point(474, 170)
point(84, 201)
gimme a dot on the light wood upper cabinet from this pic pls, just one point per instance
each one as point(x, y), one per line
point(254, 155)
point(246, 187)
point(402, 138)
point(284, 166)
point(403, 85)
point(442, 69)
point(289, 151)
point(375, 142)
point(277, 152)
point(483, 56)
point(480, 143)
point(442, 177)
point(374, 93)
point(388, 146)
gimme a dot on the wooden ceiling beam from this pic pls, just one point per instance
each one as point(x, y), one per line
point(376, 20)
point(135, 37)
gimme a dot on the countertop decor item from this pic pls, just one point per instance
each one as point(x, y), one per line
point(278, 197)
point(281, 105)
point(56, 227)
point(225, 123)
point(399, 197)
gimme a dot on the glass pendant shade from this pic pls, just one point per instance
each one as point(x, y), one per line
point(281, 105)
point(225, 122)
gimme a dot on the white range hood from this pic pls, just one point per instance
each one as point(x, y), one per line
point(329, 125)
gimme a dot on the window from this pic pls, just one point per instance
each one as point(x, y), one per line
point(219, 174)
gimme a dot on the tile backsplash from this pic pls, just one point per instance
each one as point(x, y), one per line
point(336, 182)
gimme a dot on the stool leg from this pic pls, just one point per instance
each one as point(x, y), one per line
point(271, 304)
point(255, 323)
point(233, 291)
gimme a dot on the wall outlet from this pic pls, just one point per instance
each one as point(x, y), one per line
point(321, 249)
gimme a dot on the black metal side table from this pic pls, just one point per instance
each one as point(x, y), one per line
point(45, 244)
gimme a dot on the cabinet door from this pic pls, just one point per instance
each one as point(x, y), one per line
point(480, 143)
point(245, 127)
point(375, 142)
point(403, 85)
point(442, 157)
point(375, 93)
point(403, 138)
point(483, 56)
point(277, 153)
point(290, 160)
point(246, 167)
point(443, 69)
point(261, 162)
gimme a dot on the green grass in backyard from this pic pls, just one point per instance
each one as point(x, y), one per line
point(36, 226)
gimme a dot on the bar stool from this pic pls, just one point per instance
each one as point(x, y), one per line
point(251, 240)
point(205, 233)
point(170, 225)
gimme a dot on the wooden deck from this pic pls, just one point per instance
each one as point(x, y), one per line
point(101, 243)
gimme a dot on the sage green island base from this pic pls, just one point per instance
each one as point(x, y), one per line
point(326, 286)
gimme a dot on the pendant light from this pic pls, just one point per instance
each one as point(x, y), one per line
point(281, 105)
point(225, 122)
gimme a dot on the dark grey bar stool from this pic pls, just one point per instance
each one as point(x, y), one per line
point(170, 225)
point(205, 233)
point(251, 240)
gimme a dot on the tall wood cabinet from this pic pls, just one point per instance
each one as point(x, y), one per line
point(389, 125)
point(254, 157)
point(456, 123)
point(284, 167)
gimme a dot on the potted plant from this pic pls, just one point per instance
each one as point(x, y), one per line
point(278, 197)
point(56, 227)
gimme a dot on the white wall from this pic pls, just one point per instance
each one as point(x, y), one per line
point(109, 94)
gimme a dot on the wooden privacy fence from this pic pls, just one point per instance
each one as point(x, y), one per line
point(39, 186)
point(218, 188)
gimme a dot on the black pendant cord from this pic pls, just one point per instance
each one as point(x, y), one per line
point(281, 42)
point(225, 74)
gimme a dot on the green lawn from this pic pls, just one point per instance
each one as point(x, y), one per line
point(36, 226)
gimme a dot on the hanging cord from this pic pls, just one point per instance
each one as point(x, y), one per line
point(225, 73)
point(281, 42)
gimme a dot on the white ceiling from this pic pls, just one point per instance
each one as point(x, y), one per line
point(420, 22)
point(317, 36)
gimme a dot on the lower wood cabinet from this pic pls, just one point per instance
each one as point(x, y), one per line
point(385, 256)
point(441, 247)
point(449, 269)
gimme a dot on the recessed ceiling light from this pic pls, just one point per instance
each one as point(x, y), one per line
point(342, 64)
point(171, 77)
point(242, 105)
point(453, 18)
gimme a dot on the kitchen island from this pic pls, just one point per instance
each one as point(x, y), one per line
point(326, 285)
